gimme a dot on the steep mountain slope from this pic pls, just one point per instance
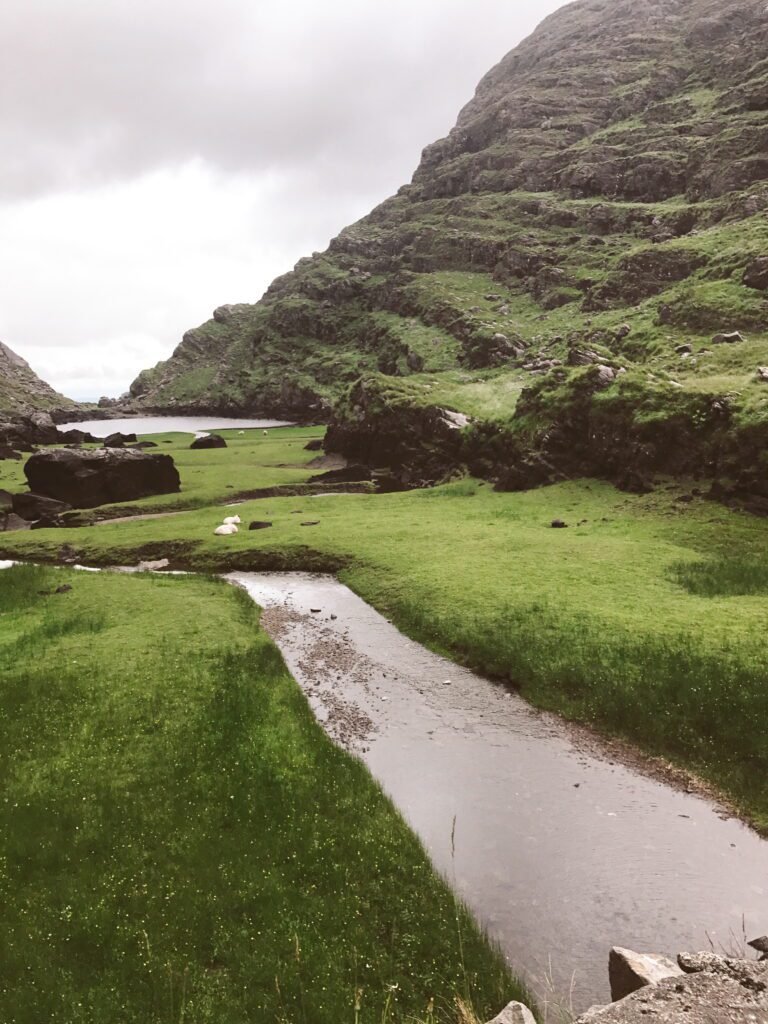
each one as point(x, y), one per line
point(22, 391)
point(557, 270)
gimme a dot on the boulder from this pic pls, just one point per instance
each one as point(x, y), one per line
point(713, 990)
point(7, 452)
point(514, 1013)
point(38, 506)
point(629, 971)
point(10, 521)
point(85, 479)
point(558, 524)
point(209, 441)
point(762, 374)
point(6, 501)
point(315, 445)
point(77, 437)
point(144, 444)
point(756, 274)
point(728, 338)
point(117, 440)
point(153, 566)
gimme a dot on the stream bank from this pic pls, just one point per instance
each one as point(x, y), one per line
point(560, 852)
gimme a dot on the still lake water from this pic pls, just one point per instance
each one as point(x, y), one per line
point(167, 424)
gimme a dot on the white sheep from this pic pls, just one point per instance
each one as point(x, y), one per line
point(232, 521)
point(265, 433)
point(225, 530)
point(241, 431)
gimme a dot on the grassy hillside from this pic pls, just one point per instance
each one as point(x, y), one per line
point(601, 202)
point(180, 841)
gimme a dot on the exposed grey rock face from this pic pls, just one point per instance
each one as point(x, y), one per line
point(85, 479)
point(514, 1013)
point(728, 338)
point(629, 971)
point(713, 990)
point(756, 274)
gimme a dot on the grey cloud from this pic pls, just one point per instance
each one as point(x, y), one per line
point(101, 89)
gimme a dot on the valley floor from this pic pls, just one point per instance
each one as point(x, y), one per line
point(645, 617)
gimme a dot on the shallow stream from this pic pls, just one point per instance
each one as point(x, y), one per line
point(560, 852)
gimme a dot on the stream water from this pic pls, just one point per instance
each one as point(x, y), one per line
point(559, 852)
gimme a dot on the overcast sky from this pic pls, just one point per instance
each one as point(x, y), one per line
point(163, 157)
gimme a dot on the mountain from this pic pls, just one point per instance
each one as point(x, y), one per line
point(22, 391)
point(580, 268)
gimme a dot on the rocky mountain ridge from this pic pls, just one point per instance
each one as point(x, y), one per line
point(580, 268)
point(23, 392)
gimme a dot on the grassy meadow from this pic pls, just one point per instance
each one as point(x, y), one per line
point(181, 842)
point(646, 617)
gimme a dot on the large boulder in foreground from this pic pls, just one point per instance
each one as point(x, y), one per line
point(629, 971)
point(710, 989)
point(85, 479)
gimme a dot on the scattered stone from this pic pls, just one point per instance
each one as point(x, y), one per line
point(762, 374)
point(77, 437)
point(85, 479)
point(728, 338)
point(684, 350)
point(761, 945)
point(117, 440)
point(37, 506)
point(10, 521)
point(685, 498)
point(311, 522)
point(145, 444)
point(756, 274)
point(629, 971)
point(315, 445)
point(7, 452)
point(153, 566)
point(67, 554)
point(209, 441)
point(315, 611)
point(558, 524)
point(514, 1013)
point(63, 589)
point(6, 501)
point(257, 524)
point(606, 375)
point(622, 331)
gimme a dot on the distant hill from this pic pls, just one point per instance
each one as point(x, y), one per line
point(557, 270)
point(21, 390)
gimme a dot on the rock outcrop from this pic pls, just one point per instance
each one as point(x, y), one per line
point(704, 989)
point(85, 479)
point(22, 391)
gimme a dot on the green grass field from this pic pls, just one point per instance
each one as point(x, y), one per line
point(646, 617)
point(181, 842)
